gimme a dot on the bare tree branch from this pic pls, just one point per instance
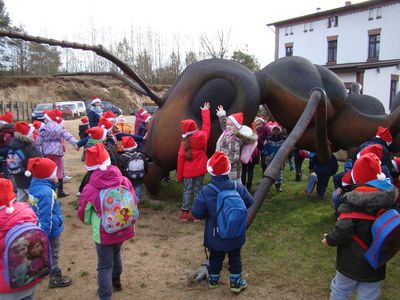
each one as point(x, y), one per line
point(99, 50)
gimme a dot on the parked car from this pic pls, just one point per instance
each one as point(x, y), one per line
point(38, 111)
point(67, 113)
point(78, 107)
point(106, 107)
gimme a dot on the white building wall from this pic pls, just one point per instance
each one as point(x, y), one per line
point(378, 84)
point(352, 32)
point(348, 77)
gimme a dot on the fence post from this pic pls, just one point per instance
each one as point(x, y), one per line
point(2, 107)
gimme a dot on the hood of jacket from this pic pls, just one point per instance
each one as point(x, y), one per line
point(368, 202)
point(20, 141)
point(105, 179)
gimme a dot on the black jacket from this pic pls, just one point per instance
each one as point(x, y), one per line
point(28, 147)
point(349, 256)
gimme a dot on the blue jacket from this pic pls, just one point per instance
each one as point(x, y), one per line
point(46, 206)
point(272, 145)
point(94, 118)
point(205, 207)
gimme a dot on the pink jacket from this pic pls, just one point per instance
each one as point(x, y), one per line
point(22, 213)
point(90, 199)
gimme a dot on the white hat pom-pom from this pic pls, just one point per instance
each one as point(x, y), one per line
point(381, 177)
point(103, 167)
point(28, 174)
point(10, 210)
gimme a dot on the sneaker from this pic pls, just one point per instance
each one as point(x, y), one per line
point(185, 215)
point(58, 281)
point(116, 283)
point(237, 283)
point(62, 194)
point(213, 280)
point(194, 219)
point(67, 178)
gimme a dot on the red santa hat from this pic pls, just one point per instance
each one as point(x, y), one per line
point(103, 122)
point(367, 168)
point(95, 100)
point(384, 134)
point(146, 117)
point(188, 127)
point(85, 121)
point(237, 119)
point(6, 118)
point(41, 167)
point(24, 128)
point(53, 115)
point(347, 179)
point(259, 119)
point(37, 124)
point(374, 148)
point(109, 115)
point(218, 164)
point(97, 133)
point(128, 143)
point(7, 195)
point(60, 121)
point(97, 157)
point(396, 164)
point(276, 125)
point(120, 119)
point(142, 111)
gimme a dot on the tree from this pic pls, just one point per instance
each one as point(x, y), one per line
point(144, 66)
point(247, 60)
point(222, 47)
point(43, 59)
point(190, 58)
point(4, 24)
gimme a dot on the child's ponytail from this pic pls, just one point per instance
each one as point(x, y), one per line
point(186, 147)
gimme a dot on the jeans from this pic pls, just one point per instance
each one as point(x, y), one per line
point(342, 287)
point(188, 184)
point(55, 254)
point(109, 266)
point(138, 190)
point(217, 257)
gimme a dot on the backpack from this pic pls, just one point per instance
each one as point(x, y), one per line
point(231, 217)
point(385, 236)
point(27, 255)
point(134, 165)
point(15, 161)
point(311, 183)
point(119, 208)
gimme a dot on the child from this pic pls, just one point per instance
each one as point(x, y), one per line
point(83, 127)
point(134, 164)
point(122, 125)
point(263, 131)
point(229, 143)
point(12, 214)
point(324, 172)
point(139, 115)
point(271, 146)
point(205, 207)
point(45, 204)
point(142, 130)
point(50, 139)
point(371, 194)
point(6, 134)
point(192, 157)
point(95, 111)
point(108, 245)
point(22, 143)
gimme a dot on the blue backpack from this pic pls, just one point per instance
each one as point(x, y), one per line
point(385, 236)
point(231, 217)
point(27, 255)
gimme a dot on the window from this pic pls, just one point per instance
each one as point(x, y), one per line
point(374, 41)
point(289, 50)
point(305, 27)
point(311, 26)
point(371, 14)
point(286, 30)
point(333, 21)
point(393, 88)
point(291, 30)
point(379, 12)
point(332, 51)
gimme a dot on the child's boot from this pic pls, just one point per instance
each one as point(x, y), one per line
point(213, 280)
point(57, 280)
point(237, 283)
point(278, 187)
point(185, 215)
point(116, 283)
point(60, 192)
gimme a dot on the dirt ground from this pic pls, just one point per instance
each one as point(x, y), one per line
point(156, 262)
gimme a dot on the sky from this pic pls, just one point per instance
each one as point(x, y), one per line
point(246, 21)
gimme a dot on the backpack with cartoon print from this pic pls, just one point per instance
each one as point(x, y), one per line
point(119, 209)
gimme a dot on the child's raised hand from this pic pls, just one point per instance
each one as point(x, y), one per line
point(220, 111)
point(206, 106)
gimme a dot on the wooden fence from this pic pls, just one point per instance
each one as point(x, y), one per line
point(21, 110)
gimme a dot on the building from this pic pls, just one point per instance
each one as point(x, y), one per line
point(359, 42)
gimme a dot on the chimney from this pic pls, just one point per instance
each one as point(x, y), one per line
point(347, 3)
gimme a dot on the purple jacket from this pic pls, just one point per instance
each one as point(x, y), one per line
point(89, 210)
point(263, 132)
point(50, 139)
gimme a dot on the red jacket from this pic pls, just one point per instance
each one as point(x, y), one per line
point(198, 147)
point(22, 213)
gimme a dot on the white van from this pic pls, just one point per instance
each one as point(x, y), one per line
point(78, 107)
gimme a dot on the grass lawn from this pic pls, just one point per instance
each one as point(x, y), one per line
point(284, 242)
